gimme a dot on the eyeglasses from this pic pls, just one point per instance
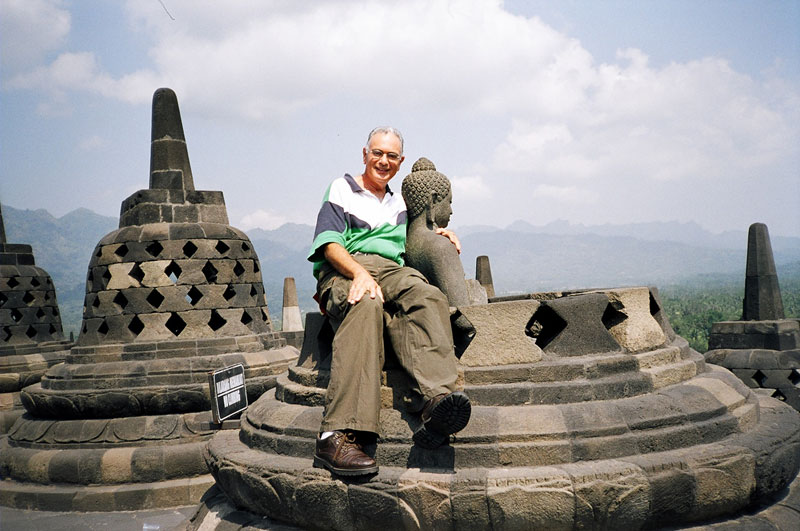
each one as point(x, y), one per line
point(377, 153)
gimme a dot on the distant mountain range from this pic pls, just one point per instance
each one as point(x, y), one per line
point(523, 257)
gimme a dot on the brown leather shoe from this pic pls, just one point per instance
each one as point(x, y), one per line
point(342, 454)
point(442, 416)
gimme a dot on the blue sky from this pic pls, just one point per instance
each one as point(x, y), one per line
point(593, 112)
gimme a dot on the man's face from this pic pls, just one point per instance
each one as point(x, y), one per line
point(379, 166)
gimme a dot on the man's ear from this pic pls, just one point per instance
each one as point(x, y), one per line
point(364, 154)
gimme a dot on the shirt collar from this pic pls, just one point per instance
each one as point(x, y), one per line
point(354, 186)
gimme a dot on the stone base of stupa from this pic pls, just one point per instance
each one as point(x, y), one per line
point(599, 417)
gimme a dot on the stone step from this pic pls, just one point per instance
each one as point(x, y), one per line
point(663, 375)
point(657, 357)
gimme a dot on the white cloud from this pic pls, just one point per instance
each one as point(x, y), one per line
point(93, 143)
point(262, 219)
point(470, 187)
point(563, 194)
point(30, 29)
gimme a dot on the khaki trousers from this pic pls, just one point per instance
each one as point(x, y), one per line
point(416, 317)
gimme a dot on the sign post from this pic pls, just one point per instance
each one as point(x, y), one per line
point(228, 393)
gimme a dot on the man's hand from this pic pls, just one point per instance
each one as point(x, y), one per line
point(344, 263)
point(450, 235)
point(363, 283)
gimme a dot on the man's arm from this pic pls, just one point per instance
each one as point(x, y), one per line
point(344, 263)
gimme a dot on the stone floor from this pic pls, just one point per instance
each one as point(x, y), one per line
point(217, 514)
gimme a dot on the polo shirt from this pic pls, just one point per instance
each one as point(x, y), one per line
point(359, 222)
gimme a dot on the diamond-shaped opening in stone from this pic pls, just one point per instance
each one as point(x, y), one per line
point(245, 247)
point(96, 302)
point(154, 249)
point(794, 377)
point(256, 269)
point(210, 272)
point(106, 276)
point(30, 332)
point(52, 330)
point(136, 325)
point(253, 291)
point(264, 316)
point(654, 307)
point(35, 283)
point(55, 312)
point(238, 269)
point(13, 282)
point(155, 298)
point(103, 328)
point(612, 316)
point(230, 293)
point(46, 297)
point(544, 326)
point(189, 249)
point(120, 300)
point(6, 333)
point(780, 396)
point(40, 313)
point(759, 377)
point(246, 319)
point(84, 329)
point(216, 321)
point(3, 299)
point(175, 324)
point(99, 252)
point(16, 315)
point(48, 282)
point(121, 251)
point(222, 247)
point(28, 298)
point(194, 295)
point(136, 273)
point(173, 271)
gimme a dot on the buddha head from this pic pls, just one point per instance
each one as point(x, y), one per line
point(428, 192)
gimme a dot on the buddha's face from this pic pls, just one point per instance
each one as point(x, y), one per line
point(442, 210)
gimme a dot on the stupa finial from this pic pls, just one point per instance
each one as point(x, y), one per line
point(762, 294)
point(169, 157)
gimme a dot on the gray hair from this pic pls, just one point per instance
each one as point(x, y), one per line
point(386, 130)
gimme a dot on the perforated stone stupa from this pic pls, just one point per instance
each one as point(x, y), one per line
point(588, 413)
point(763, 348)
point(172, 294)
point(31, 337)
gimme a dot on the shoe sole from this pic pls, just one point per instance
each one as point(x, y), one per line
point(451, 415)
point(321, 463)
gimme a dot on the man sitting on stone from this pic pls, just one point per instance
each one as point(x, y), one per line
point(363, 287)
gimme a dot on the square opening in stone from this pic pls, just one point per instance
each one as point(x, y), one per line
point(759, 377)
point(229, 293)
point(238, 269)
point(189, 249)
point(103, 328)
point(120, 300)
point(173, 271)
point(612, 316)
point(544, 326)
point(136, 273)
point(13, 282)
point(210, 272)
point(121, 251)
point(30, 332)
point(175, 324)
point(194, 295)
point(246, 319)
point(216, 321)
point(16, 315)
point(155, 298)
point(154, 249)
point(222, 247)
point(136, 325)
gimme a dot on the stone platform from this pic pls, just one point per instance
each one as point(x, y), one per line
point(596, 416)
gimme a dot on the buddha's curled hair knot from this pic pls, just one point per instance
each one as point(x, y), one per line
point(418, 185)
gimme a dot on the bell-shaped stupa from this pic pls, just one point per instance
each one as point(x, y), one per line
point(31, 337)
point(171, 295)
point(588, 412)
